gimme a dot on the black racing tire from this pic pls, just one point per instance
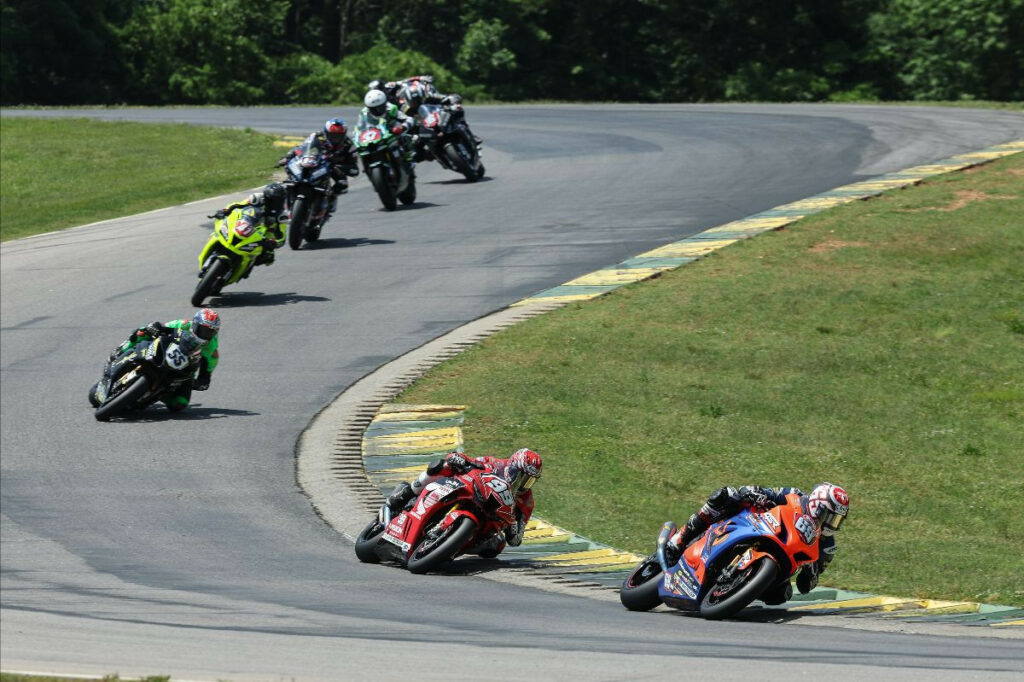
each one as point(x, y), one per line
point(761, 575)
point(639, 591)
point(408, 195)
point(480, 171)
point(297, 222)
point(379, 179)
point(210, 282)
point(123, 401)
point(459, 534)
point(366, 543)
point(459, 163)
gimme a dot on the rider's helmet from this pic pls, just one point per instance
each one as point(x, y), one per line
point(334, 131)
point(375, 84)
point(524, 469)
point(828, 505)
point(376, 102)
point(205, 324)
point(273, 198)
point(411, 95)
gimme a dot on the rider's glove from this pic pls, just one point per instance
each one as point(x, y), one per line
point(398, 130)
point(221, 213)
point(807, 579)
point(457, 462)
point(155, 329)
point(282, 162)
point(755, 497)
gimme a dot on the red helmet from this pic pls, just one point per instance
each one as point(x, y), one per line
point(205, 324)
point(524, 469)
point(828, 505)
point(335, 130)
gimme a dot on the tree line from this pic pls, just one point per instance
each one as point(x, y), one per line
point(241, 52)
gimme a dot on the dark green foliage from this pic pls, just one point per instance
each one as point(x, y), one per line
point(279, 51)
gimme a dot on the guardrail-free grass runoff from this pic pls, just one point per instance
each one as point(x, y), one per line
point(59, 173)
point(879, 345)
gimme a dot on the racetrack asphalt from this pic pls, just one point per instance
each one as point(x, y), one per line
point(183, 545)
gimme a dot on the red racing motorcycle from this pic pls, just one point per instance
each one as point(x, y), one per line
point(450, 517)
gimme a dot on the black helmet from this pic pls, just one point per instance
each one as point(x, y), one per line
point(273, 197)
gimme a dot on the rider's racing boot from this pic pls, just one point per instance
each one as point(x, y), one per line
point(399, 497)
point(687, 534)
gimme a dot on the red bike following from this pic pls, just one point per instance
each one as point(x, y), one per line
point(450, 517)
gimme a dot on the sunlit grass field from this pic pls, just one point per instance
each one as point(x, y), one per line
point(879, 345)
point(59, 173)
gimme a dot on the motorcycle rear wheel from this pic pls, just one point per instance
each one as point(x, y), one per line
point(366, 543)
point(210, 282)
point(758, 577)
point(297, 223)
point(639, 591)
point(379, 180)
point(458, 534)
point(123, 401)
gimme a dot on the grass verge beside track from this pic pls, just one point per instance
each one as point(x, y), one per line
point(58, 173)
point(879, 345)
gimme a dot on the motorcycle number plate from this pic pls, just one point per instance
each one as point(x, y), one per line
point(175, 358)
point(243, 228)
point(807, 529)
point(501, 488)
point(369, 135)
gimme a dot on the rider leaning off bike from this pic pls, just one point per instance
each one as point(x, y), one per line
point(204, 326)
point(334, 142)
point(410, 93)
point(378, 106)
point(827, 504)
point(269, 203)
point(520, 472)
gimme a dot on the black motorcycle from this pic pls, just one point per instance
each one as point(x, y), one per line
point(384, 161)
point(444, 137)
point(146, 373)
point(307, 186)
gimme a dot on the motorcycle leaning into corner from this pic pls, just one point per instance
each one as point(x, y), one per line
point(384, 161)
point(450, 517)
point(307, 187)
point(146, 373)
point(235, 247)
point(443, 137)
point(730, 565)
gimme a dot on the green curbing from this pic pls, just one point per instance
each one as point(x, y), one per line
point(652, 263)
point(401, 439)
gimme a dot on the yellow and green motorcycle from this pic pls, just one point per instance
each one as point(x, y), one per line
point(235, 247)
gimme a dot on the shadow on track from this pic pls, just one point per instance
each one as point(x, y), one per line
point(259, 299)
point(343, 243)
point(158, 413)
point(411, 207)
point(460, 181)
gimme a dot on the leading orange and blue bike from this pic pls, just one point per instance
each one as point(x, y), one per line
point(733, 563)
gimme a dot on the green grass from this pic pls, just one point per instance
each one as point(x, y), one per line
point(58, 173)
point(14, 677)
point(879, 345)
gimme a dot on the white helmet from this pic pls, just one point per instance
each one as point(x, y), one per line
point(828, 505)
point(376, 102)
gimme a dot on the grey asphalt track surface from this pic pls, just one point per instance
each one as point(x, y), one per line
point(182, 544)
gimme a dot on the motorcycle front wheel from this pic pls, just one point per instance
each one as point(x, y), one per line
point(366, 543)
point(297, 222)
point(408, 195)
point(379, 179)
point(639, 591)
point(123, 401)
point(433, 552)
point(459, 163)
point(211, 281)
point(722, 601)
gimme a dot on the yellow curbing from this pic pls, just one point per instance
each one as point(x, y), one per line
point(1008, 623)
